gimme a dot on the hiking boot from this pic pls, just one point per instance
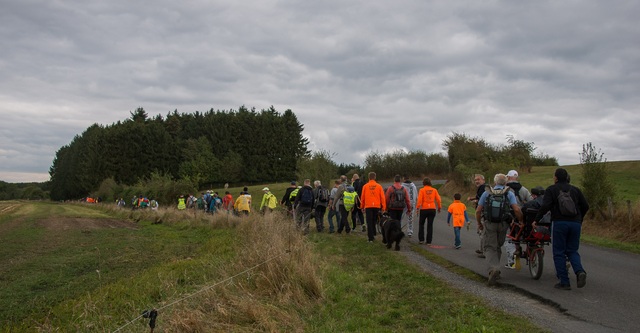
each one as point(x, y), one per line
point(562, 286)
point(494, 275)
point(582, 279)
point(479, 252)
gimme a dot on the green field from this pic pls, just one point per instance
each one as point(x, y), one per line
point(81, 267)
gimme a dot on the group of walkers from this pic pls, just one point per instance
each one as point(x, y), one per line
point(402, 201)
point(354, 205)
point(561, 205)
point(139, 202)
point(211, 202)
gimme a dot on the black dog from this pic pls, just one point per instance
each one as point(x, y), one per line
point(391, 231)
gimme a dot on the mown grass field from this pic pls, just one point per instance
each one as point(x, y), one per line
point(80, 267)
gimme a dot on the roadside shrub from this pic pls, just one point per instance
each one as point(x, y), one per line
point(596, 185)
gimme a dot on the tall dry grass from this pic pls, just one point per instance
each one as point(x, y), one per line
point(266, 289)
point(621, 222)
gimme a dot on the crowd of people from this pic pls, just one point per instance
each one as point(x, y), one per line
point(351, 205)
point(531, 210)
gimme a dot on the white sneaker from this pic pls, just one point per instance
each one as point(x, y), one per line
point(512, 266)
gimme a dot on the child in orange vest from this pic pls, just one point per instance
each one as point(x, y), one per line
point(459, 212)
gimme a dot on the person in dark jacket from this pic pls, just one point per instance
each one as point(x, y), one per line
point(478, 179)
point(286, 201)
point(303, 209)
point(357, 215)
point(565, 231)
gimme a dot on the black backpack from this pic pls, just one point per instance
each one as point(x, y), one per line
point(306, 198)
point(397, 198)
point(497, 208)
point(323, 195)
point(565, 204)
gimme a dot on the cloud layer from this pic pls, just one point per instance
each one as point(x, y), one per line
point(362, 76)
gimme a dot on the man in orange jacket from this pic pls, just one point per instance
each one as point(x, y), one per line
point(372, 202)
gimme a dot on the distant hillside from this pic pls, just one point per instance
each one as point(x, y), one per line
point(625, 175)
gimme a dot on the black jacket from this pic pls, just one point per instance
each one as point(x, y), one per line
point(550, 203)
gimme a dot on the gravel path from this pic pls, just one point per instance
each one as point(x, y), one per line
point(544, 315)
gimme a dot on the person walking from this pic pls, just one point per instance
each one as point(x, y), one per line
point(227, 202)
point(357, 215)
point(304, 205)
point(458, 211)
point(322, 200)
point(566, 227)
point(413, 198)
point(351, 203)
point(243, 203)
point(428, 203)
point(286, 198)
point(523, 196)
point(372, 202)
point(497, 218)
point(397, 198)
point(333, 213)
point(478, 179)
point(338, 204)
point(181, 203)
point(269, 201)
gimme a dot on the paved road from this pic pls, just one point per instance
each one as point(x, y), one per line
point(608, 303)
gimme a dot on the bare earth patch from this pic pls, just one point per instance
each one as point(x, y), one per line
point(67, 223)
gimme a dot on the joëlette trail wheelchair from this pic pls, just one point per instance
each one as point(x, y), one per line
point(533, 239)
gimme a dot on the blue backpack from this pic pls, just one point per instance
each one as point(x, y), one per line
point(306, 198)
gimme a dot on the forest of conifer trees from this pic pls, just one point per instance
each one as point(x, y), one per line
point(211, 147)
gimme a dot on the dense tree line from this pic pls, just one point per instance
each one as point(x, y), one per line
point(207, 148)
point(27, 191)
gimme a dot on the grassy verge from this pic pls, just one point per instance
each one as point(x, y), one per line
point(211, 274)
point(371, 289)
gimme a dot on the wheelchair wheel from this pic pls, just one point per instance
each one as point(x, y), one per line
point(535, 263)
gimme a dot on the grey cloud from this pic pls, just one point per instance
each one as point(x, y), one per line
point(559, 74)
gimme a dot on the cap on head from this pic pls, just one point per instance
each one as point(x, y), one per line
point(293, 182)
point(512, 173)
point(265, 189)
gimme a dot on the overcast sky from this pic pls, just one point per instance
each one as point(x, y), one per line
point(361, 76)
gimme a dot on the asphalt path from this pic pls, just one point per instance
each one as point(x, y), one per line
point(610, 301)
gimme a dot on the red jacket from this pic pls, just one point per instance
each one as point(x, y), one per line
point(390, 191)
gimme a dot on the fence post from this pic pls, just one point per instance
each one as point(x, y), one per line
point(630, 215)
point(610, 202)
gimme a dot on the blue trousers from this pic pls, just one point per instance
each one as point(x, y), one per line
point(565, 242)
point(333, 213)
